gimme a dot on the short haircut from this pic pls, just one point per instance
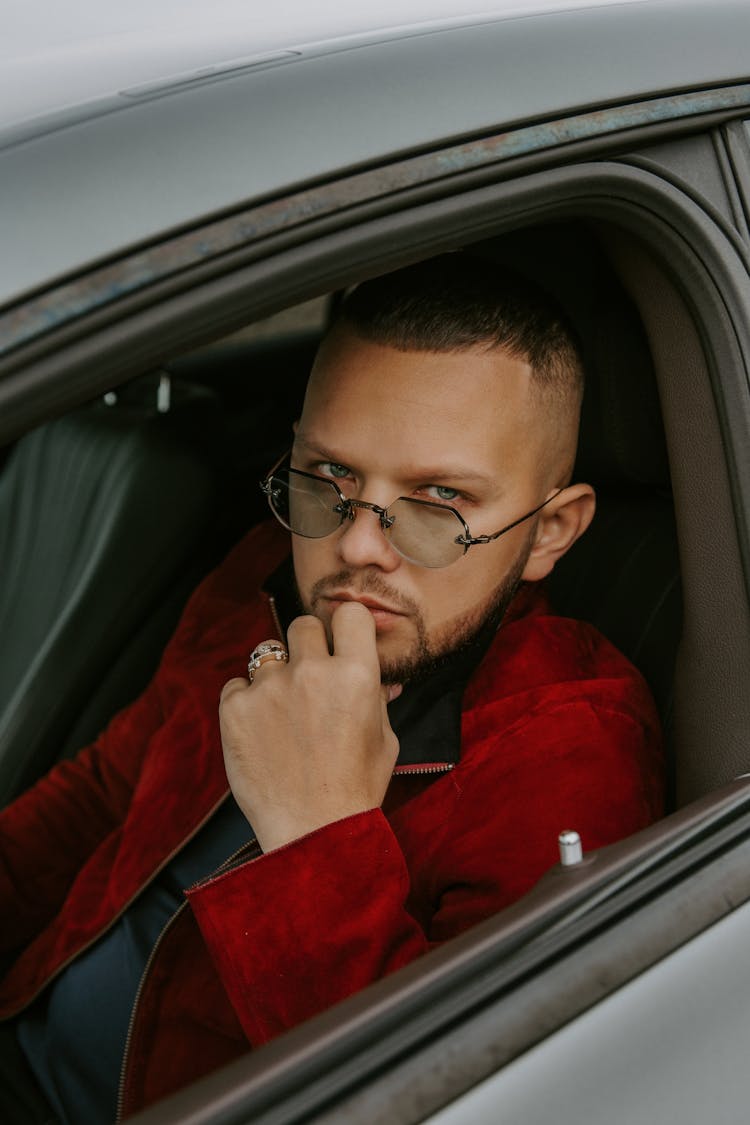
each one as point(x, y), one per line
point(457, 301)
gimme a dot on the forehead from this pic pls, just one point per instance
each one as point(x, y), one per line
point(361, 391)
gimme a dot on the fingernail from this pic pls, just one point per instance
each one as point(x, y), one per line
point(394, 691)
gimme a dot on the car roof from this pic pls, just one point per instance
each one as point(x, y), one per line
point(73, 55)
point(56, 55)
point(113, 133)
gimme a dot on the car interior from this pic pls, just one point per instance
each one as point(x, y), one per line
point(110, 515)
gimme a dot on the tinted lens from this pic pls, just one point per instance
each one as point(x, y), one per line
point(426, 533)
point(304, 504)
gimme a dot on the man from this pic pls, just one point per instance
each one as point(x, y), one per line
point(400, 768)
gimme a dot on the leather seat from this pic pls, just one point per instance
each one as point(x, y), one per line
point(105, 516)
point(623, 575)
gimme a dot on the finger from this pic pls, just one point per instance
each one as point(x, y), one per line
point(231, 687)
point(353, 630)
point(306, 636)
point(390, 692)
point(391, 740)
point(261, 673)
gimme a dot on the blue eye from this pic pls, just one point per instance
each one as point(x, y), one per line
point(443, 492)
point(330, 468)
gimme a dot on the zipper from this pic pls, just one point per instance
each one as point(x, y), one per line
point(406, 771)
point(275, 615)
point(250, 850)
point(131, 1023)
point(93, 940)
point(229, 862)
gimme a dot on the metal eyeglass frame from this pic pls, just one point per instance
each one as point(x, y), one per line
point(346, 506)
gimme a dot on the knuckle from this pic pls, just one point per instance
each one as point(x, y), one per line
point(306, 623)
point(312, 675)
point(230, 689)
point(360, 676)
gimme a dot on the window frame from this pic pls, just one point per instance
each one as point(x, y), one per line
point(315, 1068)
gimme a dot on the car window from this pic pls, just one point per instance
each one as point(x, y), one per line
point(149, 385)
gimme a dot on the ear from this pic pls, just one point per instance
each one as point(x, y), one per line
point(562, 522)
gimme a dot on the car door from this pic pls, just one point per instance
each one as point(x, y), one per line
point(650, 162)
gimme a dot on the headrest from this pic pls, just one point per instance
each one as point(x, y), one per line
point(622, 439)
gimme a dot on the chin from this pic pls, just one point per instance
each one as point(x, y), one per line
point(395, 661)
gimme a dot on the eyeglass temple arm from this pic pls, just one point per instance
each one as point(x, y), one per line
point(264, 484)
point(473, 540)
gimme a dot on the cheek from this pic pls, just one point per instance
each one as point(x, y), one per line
point(456, 591)
point(314, 559)
point(308, 556)
point(446, 595)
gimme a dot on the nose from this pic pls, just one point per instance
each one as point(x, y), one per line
point(362, 542)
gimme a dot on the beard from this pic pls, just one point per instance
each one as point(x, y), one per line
point(426, 654)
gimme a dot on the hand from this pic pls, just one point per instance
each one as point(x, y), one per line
point(309, 742)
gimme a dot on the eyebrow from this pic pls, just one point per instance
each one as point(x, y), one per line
point(455, 473)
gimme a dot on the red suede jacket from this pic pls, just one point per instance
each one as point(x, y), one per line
point(557, 730)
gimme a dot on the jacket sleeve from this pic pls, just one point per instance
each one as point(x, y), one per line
point(305, 925)
point(300, 928)
point(48, 833)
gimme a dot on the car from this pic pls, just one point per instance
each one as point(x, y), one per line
point(184, 199)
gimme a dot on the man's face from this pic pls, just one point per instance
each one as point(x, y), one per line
point(461, 428)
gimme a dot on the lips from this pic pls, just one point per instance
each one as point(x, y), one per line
point(369, 603)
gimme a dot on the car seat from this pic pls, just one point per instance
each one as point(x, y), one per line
point(623, 575)
point(107, 518)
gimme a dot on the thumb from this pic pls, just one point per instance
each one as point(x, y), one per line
point(389, 692)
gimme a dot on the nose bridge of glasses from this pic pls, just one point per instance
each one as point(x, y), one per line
point(386, 520)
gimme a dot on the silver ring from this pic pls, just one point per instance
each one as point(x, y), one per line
point(262, 653)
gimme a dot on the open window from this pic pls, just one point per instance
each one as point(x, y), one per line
point(654, 286)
